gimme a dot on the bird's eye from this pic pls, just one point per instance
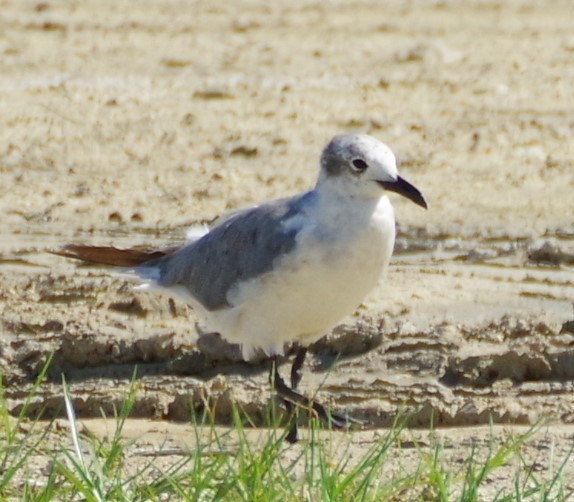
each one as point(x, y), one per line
point(359, 165)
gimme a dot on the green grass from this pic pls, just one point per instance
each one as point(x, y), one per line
point(237, 464)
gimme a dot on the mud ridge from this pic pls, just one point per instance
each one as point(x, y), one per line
point(432, 376)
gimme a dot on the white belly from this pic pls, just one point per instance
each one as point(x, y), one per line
point(310, 291)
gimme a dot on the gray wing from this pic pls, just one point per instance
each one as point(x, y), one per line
point(242, 247)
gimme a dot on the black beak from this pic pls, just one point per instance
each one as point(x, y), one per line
point(404, 188)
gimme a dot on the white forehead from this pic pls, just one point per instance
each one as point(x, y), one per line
point(375, 152)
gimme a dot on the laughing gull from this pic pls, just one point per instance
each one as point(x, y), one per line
point(291, 269)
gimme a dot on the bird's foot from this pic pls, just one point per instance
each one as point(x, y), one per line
point(335, 420)
point(295, 399)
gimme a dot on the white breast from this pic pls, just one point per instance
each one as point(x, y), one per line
point(339, 258)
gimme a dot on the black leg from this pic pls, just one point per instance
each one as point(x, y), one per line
point(292, 410)
point(278, 382)
point(296, 368)
point(294, 398)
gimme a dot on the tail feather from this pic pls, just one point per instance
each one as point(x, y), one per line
point(107, 255)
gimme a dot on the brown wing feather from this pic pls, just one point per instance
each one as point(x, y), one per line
point(107, 255)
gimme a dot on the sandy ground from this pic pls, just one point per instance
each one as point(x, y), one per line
point(125, 123)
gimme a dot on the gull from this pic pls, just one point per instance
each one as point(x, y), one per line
point(289, 270)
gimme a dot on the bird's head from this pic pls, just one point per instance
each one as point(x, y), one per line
point(367, 165)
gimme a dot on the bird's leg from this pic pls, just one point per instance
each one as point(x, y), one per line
point(296, 368)
point(292, 410)
point(292, 397)
point(278, 383)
